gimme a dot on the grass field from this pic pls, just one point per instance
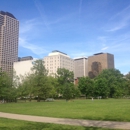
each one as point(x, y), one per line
point(8, 124)
point(104, 109)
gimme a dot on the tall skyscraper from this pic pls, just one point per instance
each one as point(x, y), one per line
point(9, 33)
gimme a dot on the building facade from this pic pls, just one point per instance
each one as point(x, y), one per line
point(9, 33)
point(99, 62)
point(23, 67)
point(80, 67)
point(57, 59)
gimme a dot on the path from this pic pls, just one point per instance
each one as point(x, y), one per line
point(75, 122)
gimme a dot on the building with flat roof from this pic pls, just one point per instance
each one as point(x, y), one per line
point(25, 58)
point(9, 33)
point(24, 66)
point(80, 67)
point(99, 62)
point(57, 59)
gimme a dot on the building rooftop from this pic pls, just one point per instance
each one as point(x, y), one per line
point(56, 52)
point(98, 53)
point(7, 13)
point(25, 58)
point(79, 58)
point(59, 52)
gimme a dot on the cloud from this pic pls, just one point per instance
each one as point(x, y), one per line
point(119, 21)
point(29, 32)
point(121, 25)
point(105, 48)
point(53, 20)
point(41, 11)
point(38, 50)
point(29, 25)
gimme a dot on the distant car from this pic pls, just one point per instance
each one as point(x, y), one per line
point(49, 99)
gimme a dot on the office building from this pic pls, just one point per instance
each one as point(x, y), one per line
point(99, 62)
point(57, 59)
point(9, 33)
point(80, 67)
point(23, 67)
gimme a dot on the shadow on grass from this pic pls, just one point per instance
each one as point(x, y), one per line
point(23, 125)
point(95, 125)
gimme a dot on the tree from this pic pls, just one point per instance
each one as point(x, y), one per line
point(64, 75)
point(22, 90)
point(68, 91)
point(54, 84)
point(127, 77)
point(86, 86)
point(65, 80)
point(114, 80)
point(5, 86)
point(26, 87)
point(100, 88)
point(42, 86)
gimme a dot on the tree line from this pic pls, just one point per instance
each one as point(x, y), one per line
point(110, 83)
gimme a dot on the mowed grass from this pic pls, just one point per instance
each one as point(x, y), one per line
point(9, 124)
point(104, 109)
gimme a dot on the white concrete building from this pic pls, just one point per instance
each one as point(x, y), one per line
point(23, 67)
point(57, 59)
point(80, 67)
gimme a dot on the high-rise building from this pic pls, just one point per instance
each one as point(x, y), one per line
point(80, 67)
point(9, 33)
point(99, 62)
point(57, 59)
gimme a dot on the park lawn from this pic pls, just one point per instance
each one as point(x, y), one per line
point(104, 109)
point(9, 124)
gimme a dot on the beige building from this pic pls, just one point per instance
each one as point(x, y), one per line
point(23, 67)
point(80, 67)
point(57, 59)
point(98, 62)
point(9, 33)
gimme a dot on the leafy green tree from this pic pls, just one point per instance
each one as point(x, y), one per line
point(127, 77)
point(86, 86)
point(8, 86)
point(5, 86)
point(22, 90)
point(65, 80)
point(64, 75)
point(16, 80)
point(26, 87)
point(42, 86)
point(114, 82)
point(76, 92)
point(54, 84)
point(100, 88)
point(68, 91)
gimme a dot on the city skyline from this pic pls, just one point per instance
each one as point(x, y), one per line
point(78, 28)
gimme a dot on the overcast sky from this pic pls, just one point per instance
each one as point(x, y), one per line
point(76, 27)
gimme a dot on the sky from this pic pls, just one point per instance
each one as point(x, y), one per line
point(76, 27)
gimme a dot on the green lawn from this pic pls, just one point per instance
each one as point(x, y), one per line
point(8, 124)
point(104, 109)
